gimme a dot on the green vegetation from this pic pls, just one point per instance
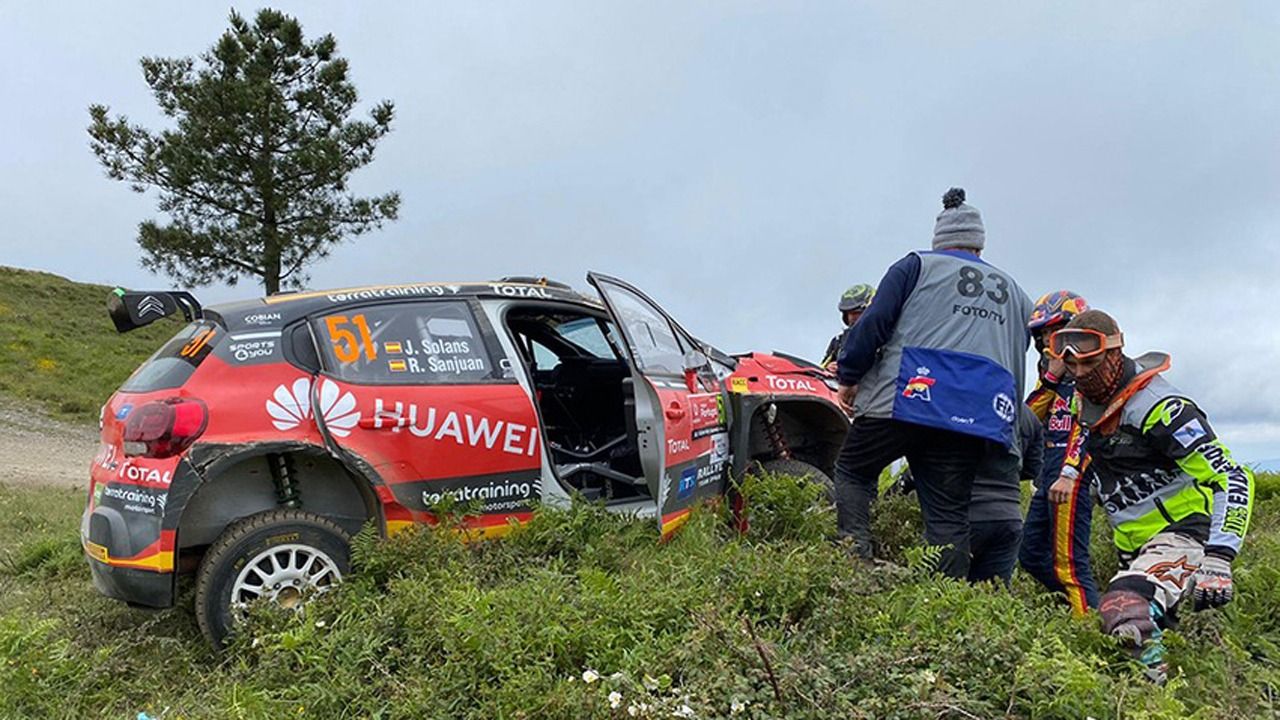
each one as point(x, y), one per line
point(58, 349)
point(581, 604)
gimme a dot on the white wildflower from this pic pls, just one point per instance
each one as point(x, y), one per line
point(737, 706)
point(320, 623)
point(615, 699)
point(589, 676)
point(684, 711)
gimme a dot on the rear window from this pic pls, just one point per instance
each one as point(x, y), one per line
point(173, 364)
point(405, 344)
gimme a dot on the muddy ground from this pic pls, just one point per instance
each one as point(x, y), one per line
point(38, 450)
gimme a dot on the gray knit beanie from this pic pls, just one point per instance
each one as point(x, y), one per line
point(959, 225)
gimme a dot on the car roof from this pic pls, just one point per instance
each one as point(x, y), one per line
point(277, 310)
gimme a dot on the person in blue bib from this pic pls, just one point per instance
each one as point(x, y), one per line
point(933, 371)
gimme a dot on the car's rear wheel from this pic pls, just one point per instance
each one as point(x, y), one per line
point(279, 556)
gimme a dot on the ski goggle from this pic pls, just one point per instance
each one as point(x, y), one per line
point(1083, 343)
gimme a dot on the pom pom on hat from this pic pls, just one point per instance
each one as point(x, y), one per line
point(959, 225)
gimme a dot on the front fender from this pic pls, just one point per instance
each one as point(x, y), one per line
point(811, 422)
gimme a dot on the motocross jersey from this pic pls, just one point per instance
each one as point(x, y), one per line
point(1057, 406)
point(1157, 466)
point(833, 349)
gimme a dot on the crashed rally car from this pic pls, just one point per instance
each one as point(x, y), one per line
point(250, 448)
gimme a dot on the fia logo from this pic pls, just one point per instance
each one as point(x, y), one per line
point(1004, 407)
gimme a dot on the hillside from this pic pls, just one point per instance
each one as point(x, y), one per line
point(59, 350)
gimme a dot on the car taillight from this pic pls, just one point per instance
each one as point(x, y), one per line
point(164, 428)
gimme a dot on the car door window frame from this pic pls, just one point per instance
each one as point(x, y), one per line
point(499, 364)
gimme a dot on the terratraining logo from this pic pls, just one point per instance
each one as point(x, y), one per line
point(918, 386)
point(290, 406)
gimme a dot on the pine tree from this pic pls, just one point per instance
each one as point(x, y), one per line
point(253, 177)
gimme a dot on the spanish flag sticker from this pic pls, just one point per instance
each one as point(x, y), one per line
point(396, 366)
point(393, 346)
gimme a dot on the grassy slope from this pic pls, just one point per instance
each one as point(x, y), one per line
point(428, 628)
point(59, 350)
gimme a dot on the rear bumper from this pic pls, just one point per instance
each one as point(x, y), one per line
point(102, 535)
point(136, 587)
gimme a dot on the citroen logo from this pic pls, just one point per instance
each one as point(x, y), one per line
point(150, 304)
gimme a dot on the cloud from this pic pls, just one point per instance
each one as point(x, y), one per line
point(744, 162)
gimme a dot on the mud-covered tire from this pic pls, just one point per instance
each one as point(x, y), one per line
point(801, 469)
point(250, 540)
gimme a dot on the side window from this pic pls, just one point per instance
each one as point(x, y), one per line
point(405, 344)
point(649, 335)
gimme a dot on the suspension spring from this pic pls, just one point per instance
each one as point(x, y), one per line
point(282, 474)
point(774, 429)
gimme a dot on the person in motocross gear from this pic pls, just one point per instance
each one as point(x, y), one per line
point(1179, 505)
point(932, 371)
point(1055, 536)
point(853, 303)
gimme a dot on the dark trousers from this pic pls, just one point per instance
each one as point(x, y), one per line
point(1055, 545)
point(943, 464)
point(994, 544)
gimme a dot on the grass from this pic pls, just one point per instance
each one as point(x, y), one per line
point(582, 614)
point(59, 350)
point(778, 624)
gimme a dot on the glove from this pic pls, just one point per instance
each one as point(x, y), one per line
point(1211, 583)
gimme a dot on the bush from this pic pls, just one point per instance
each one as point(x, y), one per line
point(582, 613)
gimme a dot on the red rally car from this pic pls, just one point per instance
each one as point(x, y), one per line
point(256, 442)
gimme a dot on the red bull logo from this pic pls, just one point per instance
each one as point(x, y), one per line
point(918, 386)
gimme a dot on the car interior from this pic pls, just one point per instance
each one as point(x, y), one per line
point(586, 399)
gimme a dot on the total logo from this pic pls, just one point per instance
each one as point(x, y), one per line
point(787, 383)
point(143, 475)
point(290, 406)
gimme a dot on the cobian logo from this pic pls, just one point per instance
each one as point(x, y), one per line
point(290, 406)
point(919, 385)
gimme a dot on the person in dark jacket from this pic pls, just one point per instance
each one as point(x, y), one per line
point(995, 510)
point(932, 371)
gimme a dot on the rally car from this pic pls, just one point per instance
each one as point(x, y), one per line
point(251, 446)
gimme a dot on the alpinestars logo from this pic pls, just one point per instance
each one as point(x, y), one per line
point(150, 304)
point(290, 406)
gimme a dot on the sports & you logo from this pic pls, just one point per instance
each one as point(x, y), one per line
point(918, 386)
point(290, 406)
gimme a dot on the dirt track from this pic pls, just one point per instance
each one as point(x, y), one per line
point(36, 450)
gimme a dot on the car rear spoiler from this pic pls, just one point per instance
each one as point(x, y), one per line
point(131, 309)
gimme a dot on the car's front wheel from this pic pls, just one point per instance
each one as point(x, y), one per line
point(803, 471)
point(280, 556)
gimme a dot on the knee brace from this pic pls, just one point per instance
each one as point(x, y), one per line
point(1127, 615)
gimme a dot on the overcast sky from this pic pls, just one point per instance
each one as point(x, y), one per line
point(743, 162)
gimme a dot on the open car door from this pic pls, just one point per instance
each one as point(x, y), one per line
point(681, 409)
